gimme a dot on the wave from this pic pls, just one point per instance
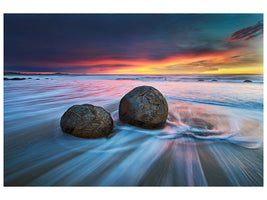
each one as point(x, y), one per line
point(203, 142)
point(214, 78)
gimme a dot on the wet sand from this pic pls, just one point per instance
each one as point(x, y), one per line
point(38, 153)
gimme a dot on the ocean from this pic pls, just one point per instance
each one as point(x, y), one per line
point(38, 153)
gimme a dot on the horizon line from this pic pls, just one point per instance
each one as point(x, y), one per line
point(70, 73)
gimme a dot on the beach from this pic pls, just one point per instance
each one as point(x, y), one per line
point(38, 153)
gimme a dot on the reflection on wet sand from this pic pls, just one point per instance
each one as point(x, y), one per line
point(201, 144)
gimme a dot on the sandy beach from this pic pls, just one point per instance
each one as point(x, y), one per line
point(38, 153)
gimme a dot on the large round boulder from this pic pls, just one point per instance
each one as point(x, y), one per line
point(145, 107)
point(87, 121)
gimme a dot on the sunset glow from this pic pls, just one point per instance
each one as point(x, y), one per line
point(135, 44)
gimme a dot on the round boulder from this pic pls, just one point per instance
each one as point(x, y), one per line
point(86, 121)
point(145, 107)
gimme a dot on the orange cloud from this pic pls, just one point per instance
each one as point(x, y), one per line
point(187, 64)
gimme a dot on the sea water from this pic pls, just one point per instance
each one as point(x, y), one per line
point(229, 153)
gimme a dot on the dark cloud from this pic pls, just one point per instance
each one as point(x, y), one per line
point(235, 56)
point(248, 33)
point(69, 69)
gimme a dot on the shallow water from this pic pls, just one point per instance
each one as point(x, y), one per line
point(213, 135)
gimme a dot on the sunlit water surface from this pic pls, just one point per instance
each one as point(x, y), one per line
point(226, 150)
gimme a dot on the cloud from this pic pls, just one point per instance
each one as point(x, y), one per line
point(197, 66)
point(125, 43)
point(247, 33)
point(235, 56)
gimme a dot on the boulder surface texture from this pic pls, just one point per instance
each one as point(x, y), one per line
point(87, 121)
point(144, 106)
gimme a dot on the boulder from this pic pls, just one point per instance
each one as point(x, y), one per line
point(247, 81)
point(86, 121)
point(144, 106)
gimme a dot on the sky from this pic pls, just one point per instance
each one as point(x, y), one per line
point(134, 43)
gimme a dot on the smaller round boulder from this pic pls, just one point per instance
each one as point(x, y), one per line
point(86, 121)
point(145, 107)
